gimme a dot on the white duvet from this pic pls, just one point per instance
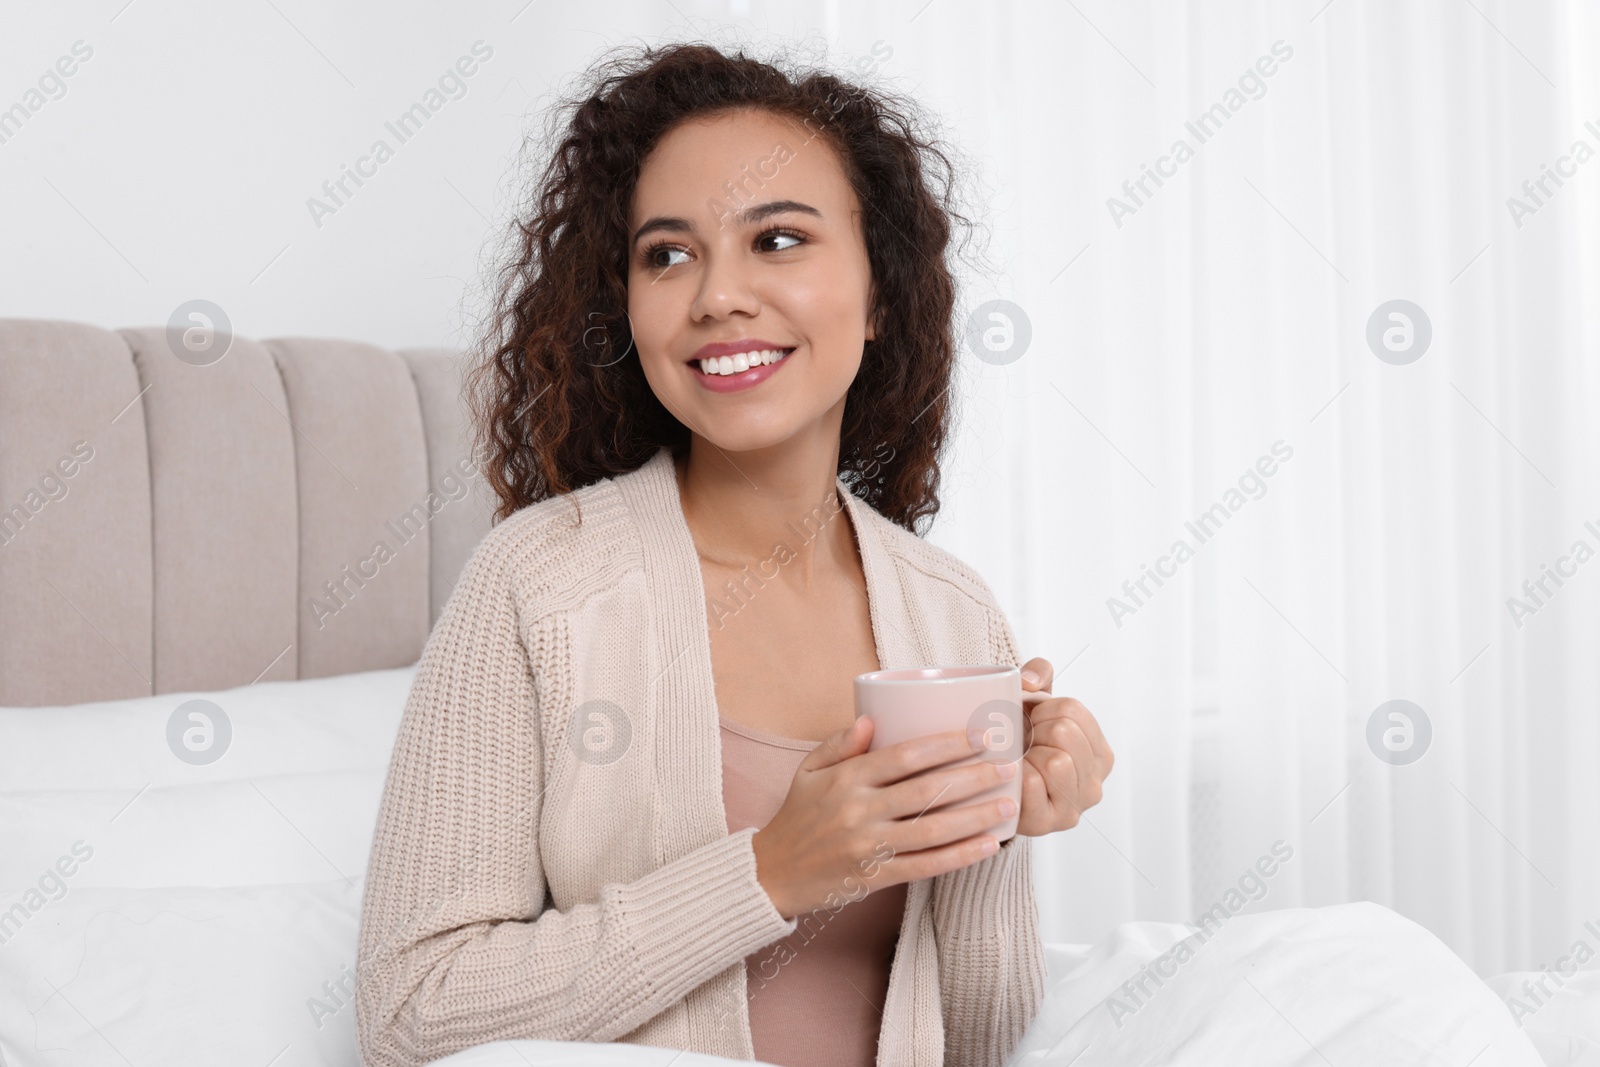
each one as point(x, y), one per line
point(1355, 984)
point(210, 918)
point(1350, 984)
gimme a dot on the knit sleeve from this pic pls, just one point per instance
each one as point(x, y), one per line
point(456, 945)
point(986, 925)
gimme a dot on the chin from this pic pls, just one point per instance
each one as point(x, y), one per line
point(747, 438)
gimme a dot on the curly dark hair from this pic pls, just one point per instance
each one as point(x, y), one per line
point(556, 408)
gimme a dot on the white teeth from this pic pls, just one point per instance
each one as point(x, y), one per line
point(741, 362)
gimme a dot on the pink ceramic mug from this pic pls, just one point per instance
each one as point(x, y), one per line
point(917, 701)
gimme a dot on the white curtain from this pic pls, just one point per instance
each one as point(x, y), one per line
point(1181, 338)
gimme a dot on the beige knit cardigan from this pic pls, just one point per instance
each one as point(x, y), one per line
point(551, 858)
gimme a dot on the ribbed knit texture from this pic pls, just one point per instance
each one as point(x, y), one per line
point(551, 858)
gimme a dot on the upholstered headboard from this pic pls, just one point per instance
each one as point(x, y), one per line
point(295, 509)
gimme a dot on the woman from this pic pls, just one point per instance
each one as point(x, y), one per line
point(629, 798)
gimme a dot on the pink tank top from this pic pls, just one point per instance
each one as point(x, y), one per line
point(816, 997)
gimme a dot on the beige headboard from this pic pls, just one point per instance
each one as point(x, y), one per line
point(296, 509)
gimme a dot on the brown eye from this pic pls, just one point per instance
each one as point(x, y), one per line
point(651, 254)
point(782, 235)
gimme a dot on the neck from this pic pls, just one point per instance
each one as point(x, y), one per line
point(741, 506)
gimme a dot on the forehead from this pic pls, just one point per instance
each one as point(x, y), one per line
point(708, 164)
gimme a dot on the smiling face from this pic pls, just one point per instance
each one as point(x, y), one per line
point(742, 231)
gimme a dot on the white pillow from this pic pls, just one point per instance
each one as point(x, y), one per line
point(157, 910)
point(292, 799)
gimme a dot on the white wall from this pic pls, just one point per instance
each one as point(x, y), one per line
point(179, 161)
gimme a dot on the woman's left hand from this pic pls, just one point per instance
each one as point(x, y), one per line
point(1066, 761)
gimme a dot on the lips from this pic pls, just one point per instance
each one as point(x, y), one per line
point(741, 370)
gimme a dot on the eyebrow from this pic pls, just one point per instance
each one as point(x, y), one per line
point(748, 217)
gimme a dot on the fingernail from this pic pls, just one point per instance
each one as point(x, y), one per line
point(1008, 771)
point(988, 846)
point(1031, 677)
point(1008, 807)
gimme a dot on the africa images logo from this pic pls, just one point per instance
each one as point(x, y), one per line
point(451, 85)
point(1202, 128)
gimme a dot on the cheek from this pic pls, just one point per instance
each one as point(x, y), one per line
point(826, 298)
point(649, 313)
point(656, 374)
point(831, 313)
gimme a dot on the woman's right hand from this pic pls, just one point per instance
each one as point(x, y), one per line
point(846, 804)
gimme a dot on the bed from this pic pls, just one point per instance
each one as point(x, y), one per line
point(204, 662)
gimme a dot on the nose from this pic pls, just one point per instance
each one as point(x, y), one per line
point(725, 288)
